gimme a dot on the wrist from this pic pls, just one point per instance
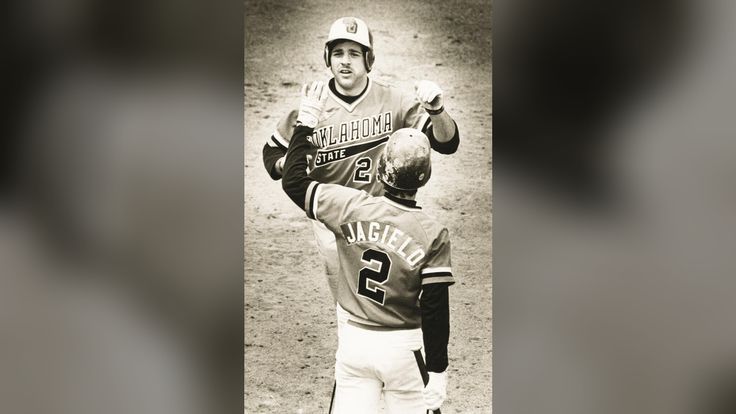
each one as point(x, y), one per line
point(438, 111)
point(302, 127)
point(307, 120)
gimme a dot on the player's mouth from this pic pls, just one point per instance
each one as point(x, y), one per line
point(345, 71)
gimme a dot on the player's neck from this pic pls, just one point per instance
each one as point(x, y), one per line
point(353, 92)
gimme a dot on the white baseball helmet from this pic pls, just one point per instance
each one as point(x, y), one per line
point(351, 28)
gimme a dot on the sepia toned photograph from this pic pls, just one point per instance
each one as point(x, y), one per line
point(367, 250)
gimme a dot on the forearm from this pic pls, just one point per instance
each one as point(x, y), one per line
point(295, 180)
point(448, 147)
point(443, 126)
point(435, 325)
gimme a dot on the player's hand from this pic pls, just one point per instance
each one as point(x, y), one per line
point(436, 390)
point(314, 98)
point(309, 162)
point(429, 95)
point(280, 165)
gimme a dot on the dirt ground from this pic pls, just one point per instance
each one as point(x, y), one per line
point(290, 334)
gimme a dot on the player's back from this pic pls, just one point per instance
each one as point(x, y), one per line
point(388, 249)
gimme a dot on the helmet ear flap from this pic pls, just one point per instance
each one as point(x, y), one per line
point(369, 59)
point(369, 56)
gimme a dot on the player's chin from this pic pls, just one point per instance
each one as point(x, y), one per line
point(346, 81)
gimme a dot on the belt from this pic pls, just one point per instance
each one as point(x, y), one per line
point(374, 327)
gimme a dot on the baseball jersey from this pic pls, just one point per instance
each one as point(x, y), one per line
point(349, 137)
point(387, 250)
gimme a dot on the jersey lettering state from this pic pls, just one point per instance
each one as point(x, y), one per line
point(387, 252)
point(349, 134)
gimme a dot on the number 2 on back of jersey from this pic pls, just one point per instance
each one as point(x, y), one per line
point(370, 277)
point(362, 173)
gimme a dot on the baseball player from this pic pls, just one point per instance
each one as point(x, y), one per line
point(394, 271)
point(359, 115)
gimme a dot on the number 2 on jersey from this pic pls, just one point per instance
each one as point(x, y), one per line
point(377, 276)
point(362, 172)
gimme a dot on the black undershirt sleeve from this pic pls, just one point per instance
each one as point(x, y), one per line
point(295, 181)
point(435, 307)
point(449, 147)
point(270, 156)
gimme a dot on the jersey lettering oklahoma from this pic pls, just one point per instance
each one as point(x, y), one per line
point(387, 252)
point(349, 137)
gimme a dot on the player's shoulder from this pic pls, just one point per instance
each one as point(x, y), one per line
point(413, 217)
point(392, 92)
point(383, 84)
point(343, 192)
point(385, 87)
point(432, 227)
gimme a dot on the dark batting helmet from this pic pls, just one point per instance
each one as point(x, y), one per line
point(404, 163)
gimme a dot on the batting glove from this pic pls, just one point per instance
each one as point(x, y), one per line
point(436, 390)
point(429, 95)
point(314, 98)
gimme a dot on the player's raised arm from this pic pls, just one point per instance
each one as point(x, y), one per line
point(296, 183)
point(443, 133)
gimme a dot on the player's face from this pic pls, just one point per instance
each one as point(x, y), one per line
point(348, 66)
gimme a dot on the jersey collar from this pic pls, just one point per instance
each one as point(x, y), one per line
point(350, 106)
point(401, 203)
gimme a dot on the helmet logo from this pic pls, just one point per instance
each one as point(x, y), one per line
point(351, 26)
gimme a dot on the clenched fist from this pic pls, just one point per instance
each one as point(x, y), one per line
point(429, 95)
